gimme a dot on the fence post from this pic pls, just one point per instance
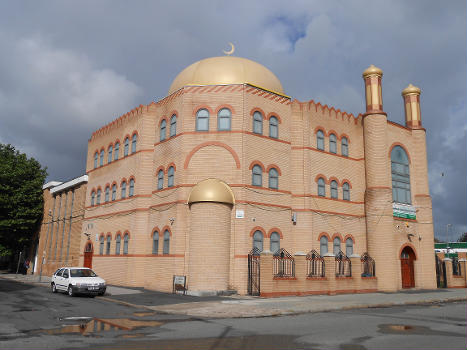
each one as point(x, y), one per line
point(330, 272)
point(356, 262)
point(300, 271)
point(266, 272)
point(463, 265)
point(449, 278)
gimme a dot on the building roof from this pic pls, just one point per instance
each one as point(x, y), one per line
point(69, 184)
point(211, 190)
point(227, 70)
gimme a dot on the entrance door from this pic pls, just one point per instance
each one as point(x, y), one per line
point(407, 268)
point(88, 255)
point(253, 272)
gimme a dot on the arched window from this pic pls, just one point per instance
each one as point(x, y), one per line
point(160, 179)
point(98, 201)
point(101, 245)
point(258, 240)
point(336, 246)
point(320, 140)
point(123, 195)
point(202, 120)
point(131, 192)
point(109, 154)
point(155, 243)
point(166, 248)
point(117, 151)
point(323, 245)
point(345, 147)
point(346, 191)
point(273, 127)
point(93, 197)
point(170, 176)
point(224, 119)
point(107, 193)
point(133, 143)
point(348, 247)
point(96, 157)
point(126, 147)
point(334, 189)
point(321, 187)
point(163, 130)
point(332, 143)
point(114, 192)
point(275, 242)
point(257, 176)
point(101, 158)
point(400, 176)
point(173, 125)
point(117, 244)
point(273, 179)
point(107, 246)
point(126, 238)
point(258, 123)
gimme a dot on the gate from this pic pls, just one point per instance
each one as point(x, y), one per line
point(254, 272)
point(441, 280)
point(88, 251)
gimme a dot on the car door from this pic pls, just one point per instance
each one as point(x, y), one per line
point(65, 279)
point(57, 279)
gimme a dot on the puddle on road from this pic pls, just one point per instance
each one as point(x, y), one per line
point(400, 327)
point(144, 314)
point(414, 330)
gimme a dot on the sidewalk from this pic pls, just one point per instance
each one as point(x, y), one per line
point(247, 306)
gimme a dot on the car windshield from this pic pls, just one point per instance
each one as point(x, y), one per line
point(82, 273)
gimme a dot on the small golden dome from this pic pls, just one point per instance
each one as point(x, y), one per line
point(372, 70)
point(211, 190)
point(410, 90)
point(227, 70)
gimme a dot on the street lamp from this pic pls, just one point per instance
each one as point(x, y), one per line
point(447, 239)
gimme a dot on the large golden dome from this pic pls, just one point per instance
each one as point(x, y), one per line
point(227, 70)
point(211, 190)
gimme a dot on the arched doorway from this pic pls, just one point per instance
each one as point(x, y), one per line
point(407, 267)
point(88, 255)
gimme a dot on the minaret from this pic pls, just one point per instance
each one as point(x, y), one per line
point(378, 194)
point(411, 96)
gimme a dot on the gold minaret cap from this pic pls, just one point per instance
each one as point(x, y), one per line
point(411, 90)
point(211, 190)
point(372, 70)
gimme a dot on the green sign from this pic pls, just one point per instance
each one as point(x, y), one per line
point(404, 211)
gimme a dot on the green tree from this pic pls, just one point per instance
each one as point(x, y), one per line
point(21, 201)
point(463, 237)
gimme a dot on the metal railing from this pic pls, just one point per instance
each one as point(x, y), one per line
point(368, 265)
point(283, 264)
point(315, 264)
point(343, 265)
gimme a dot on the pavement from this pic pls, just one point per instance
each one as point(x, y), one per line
point(239, 306)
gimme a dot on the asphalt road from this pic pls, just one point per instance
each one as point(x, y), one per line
point(33, 318)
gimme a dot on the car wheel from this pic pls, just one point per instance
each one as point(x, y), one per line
point(54, 288)
point(70, 291)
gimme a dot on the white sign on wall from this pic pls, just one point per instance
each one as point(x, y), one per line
point(239, 214)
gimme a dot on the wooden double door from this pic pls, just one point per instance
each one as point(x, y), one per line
point(407, 268)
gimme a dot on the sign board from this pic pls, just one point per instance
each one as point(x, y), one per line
point(405, 211)
point(179, 284)
point(239, 214)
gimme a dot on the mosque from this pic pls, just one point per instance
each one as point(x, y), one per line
point(230, 185)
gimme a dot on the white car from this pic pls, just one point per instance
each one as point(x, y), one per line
point(77, 280)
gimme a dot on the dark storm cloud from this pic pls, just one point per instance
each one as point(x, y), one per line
point(66, 70)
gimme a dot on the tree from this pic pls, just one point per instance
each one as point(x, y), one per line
point(463, 237)
point(21, 201)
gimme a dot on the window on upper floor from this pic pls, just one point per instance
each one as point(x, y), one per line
point(166, 247)
point(101, 245)
point(107, 247)
point(131, 192)
point(323, 245)
point(345, 147)
point(123, 193)
point(163, 130)
point(117, 151)
point(400, 176)
point(93, 198)
point(273, 127)
point(170, 176)
point(114, 192)
point(332, 143)
point(258, 123)
point(107, 194)
point(98, 201)
point(126, 239)
point(224, 117)
point(109, 154)
point(258, 240)
point(133, 143)
point(320, 140)
point(348, 247)
point(96, 157)
point(273, 178)
point(160, 179)
point(336, 246)
point(126, 147)
point(101, 158)
point(155, 242)
point(118, 240)
point(173, 125)
point(275, 242)
point(202, 120)
point(334, 189)
point(257, 176)
point(321, 187)
point(345, 191)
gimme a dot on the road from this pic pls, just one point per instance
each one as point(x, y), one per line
point(32, 317)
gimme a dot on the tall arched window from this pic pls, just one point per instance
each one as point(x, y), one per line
point(345, 147)
point(109, 154)
point(126, 239)
point(332, 143)
point(275, 242)
point(400, 176)
point(224, 119)
point(258, 240)
point(160, 179)
point(123, 195)
point(166, 248)
point(163, 130)
point(320, 140)
point(131, 192)
point(346, 191)
point(336, 245)
point(321, 187)
point(273, 178)
point(107, 246)
point(126, 147)
point(107, 193)
point(273, 127)
point(202, 120)
point(348, 247)
point(334, 189)
point(101, 245)
point(98, 201)
point(258, 123)
point(323, 245)
point(155, 242)
point(93, 198)
point(117, 244)
point(257, 176)
point(173, 125)
point(96, 157)
point(114, 192)
point(117, 150)
point(170, 176)
point(133, 143)
point(101, 158)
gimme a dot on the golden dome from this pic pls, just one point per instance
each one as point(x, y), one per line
point(211, 190)
point(372, 70)
point(411, 90)
point(227, 70)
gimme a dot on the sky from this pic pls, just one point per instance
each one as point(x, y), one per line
point(67, 68)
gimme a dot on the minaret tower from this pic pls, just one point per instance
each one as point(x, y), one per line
point(378, 195)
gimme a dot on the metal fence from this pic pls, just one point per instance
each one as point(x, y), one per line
point(368, 265)
point(315, 264)
point(343, 265)
point(283, 264)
